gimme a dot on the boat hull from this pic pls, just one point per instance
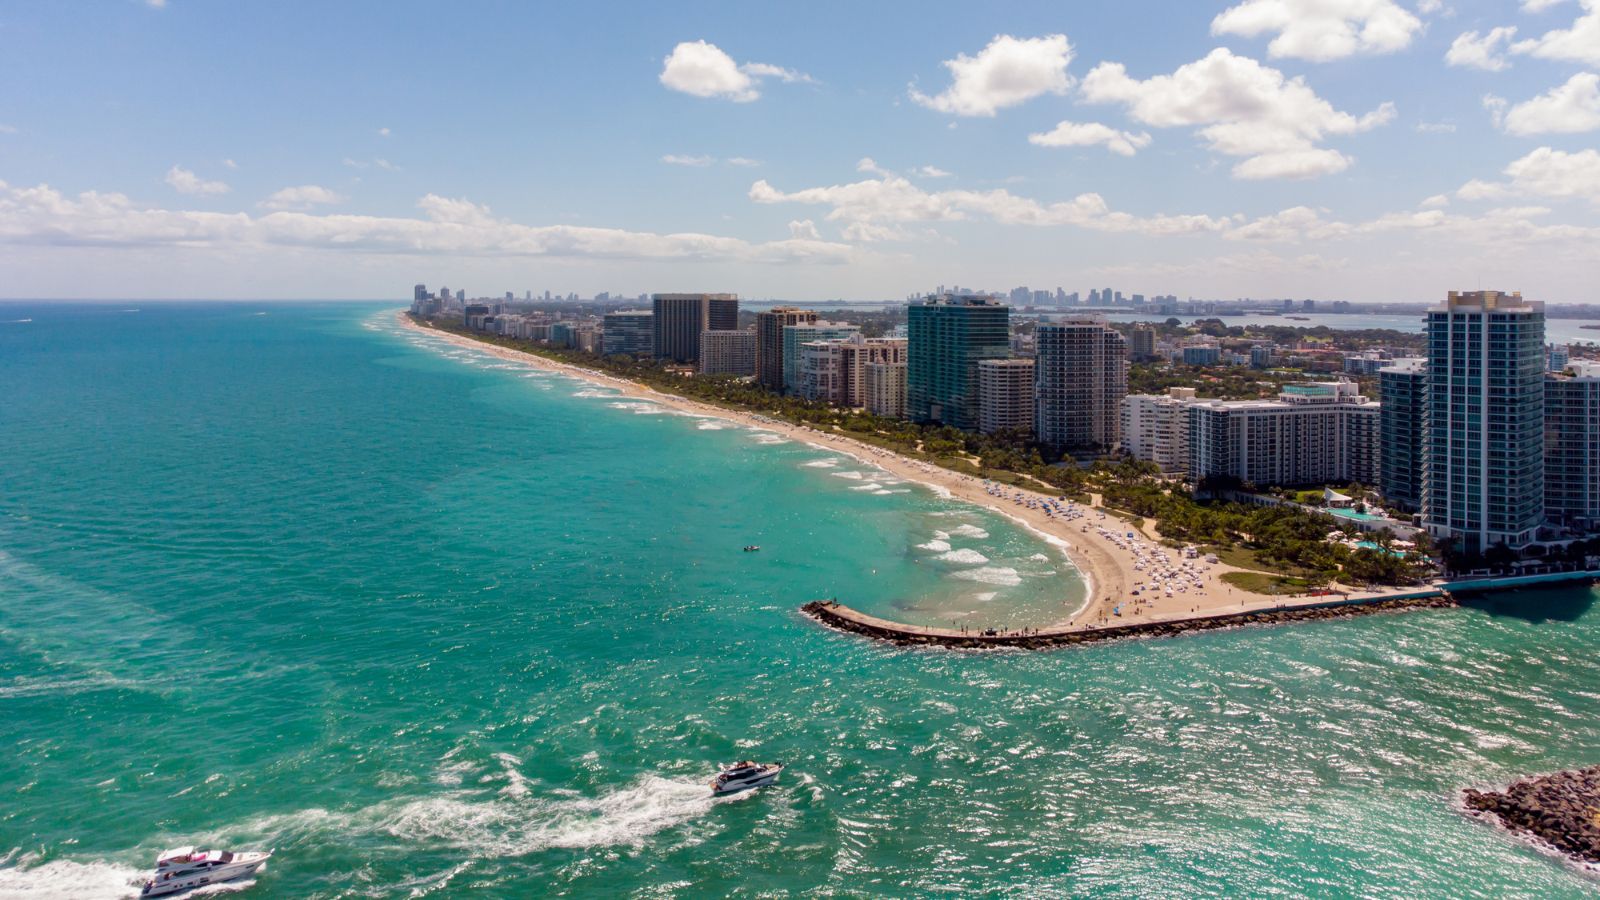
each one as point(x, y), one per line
point(742, 786)
point(161, 888)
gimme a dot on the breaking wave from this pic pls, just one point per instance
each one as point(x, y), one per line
point(1000, 576)
point(964, 557)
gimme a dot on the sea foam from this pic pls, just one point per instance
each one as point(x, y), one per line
point(1000, 576)
point(964, 557)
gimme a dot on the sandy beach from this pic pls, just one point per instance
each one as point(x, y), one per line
point(1094, 540)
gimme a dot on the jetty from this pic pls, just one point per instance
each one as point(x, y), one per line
point(839, 617)
point(1562, 810)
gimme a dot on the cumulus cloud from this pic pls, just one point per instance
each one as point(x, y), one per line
point(452, 227)
point(304, 196)
point(1089, 134)
point(1007, 72)
point(1481, 51)
point(804, 230)
point(1545, 173)
point(881, 208)
point(702, 69)
point(1321, 30)
point(1241, 108)
point(1492, 229)
point(1580, 43)
point(1569, 108)
point(186, 182)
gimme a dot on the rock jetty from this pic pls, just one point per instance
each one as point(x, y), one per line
point(1563, 810)
point(837, 616)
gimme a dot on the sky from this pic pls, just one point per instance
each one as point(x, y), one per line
point(1383, 150)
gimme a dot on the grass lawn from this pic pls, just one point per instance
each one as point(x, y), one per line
point(1266, 583)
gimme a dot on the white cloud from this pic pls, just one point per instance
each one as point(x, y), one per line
point(1481, 51)
point(1007, 72)
point(1570, 108)
point(186, 182)
point(1089, 134)
point(303, 197)
point(678, 159)
point(1537, 6)
point(1321, 30)
point(804, 230)
point(870, 166)
point(1242, 108)
point(703, 70)
point(230, 164)
point(1579, 43)
point(879, 208)
point(1558, 174)
point(931, 172)
point(156, 4)
point(42, 216)
point(1429, 7)
point(1497, 109)
point(1478, 189)
point(1437, 201)
point(383, 132)
point(743, 162)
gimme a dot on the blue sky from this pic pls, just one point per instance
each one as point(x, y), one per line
point(1359, 149)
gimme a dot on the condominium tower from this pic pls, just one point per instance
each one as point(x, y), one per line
point(1402, 389)
point(1005, 395)
point(727, 353)
point(1572, 447)
point(948, 335)
point(795, 337)
point(1080, 378)
point(629, 331)
point(1314, 433)
point(1484, 444)
point(769, 342)
point(680, 318)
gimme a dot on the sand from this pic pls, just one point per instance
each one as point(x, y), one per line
point(1112, 571)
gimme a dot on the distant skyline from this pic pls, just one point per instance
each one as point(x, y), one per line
point(1391, 151)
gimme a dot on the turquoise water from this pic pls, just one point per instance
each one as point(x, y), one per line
point(284, 576)
point(1352, 514)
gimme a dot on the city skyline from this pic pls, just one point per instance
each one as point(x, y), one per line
point(1249, 149)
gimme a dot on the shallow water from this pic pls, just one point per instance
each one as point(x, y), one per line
point(432, 623)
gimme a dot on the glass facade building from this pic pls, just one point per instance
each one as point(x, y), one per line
point(1402, 391)
point(1484, 429)
point(947, 336)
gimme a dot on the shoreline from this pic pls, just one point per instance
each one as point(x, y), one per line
point(1110, 565)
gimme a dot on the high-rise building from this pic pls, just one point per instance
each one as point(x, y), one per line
point(1005, 395)
point(769, 342)
point(629, 331)
point(1572, 448)
point(1080, 379)
point(1143, 345)
point(1557, 358)
point(1402, 391)
point(1314, 433)
point(419, 293)
point(1155, 427)
point(796, 336)
point(727, 353)
point(835, 370)
point(1261, 356)
point(886, 389)
point(680, 319)
point(949, 334)
point(1484, 444)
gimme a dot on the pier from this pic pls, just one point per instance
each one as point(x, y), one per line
point(839, 617)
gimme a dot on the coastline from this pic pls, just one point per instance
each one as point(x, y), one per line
point(1110, 568)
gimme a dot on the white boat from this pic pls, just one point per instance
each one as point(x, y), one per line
point(187, 867)
point(745, 776)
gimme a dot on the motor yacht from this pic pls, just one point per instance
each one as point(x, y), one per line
point(744, 776)
point(189, 867)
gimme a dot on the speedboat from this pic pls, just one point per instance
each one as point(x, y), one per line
point(752, 548)
point(188, 867)
point(745, 776)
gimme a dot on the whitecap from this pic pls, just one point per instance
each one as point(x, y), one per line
point(986, 596)
point(971, 531)
point(935, 546)
point(1000, 576)
point(821, 464)
point(964, 557)
point(68, 880)
point(1040, 557)
point(869, 486)
point(710, 426)
point(853, 476)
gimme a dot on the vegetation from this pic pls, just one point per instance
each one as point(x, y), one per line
point(1264, 583)
point(1288, 541)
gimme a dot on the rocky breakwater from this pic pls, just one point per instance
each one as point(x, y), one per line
point(1563, 810)
point(842, 618)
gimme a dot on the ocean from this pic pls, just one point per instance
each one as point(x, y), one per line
point(431, 623)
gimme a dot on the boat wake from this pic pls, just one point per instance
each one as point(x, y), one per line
point(62, 879)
